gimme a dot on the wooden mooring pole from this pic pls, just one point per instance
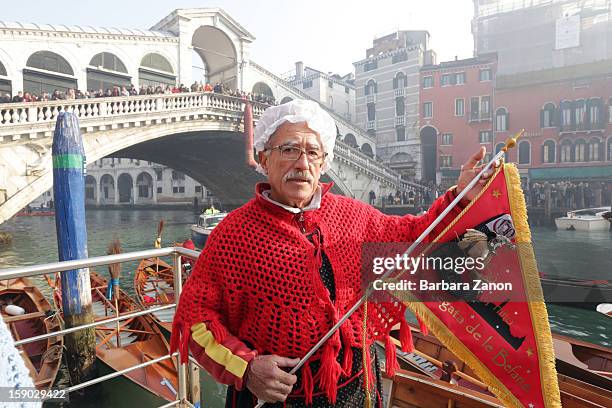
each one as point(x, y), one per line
point(69, 195)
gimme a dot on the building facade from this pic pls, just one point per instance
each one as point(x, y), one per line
point(387, 98)
point(335, 91)
point(456, 101)
point(120, 181)
point(542, 34)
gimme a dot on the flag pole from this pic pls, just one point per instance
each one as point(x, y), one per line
point(510, 143)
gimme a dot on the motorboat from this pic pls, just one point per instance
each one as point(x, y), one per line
point(588, 219)
point(206, 223)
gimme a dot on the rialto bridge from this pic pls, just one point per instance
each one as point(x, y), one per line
point(199, 134)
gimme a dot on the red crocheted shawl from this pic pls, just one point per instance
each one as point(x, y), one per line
point(258, 279)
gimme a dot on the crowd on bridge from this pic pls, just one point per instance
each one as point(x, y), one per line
point(568, 195)
point(413, 196)
point(132, 90)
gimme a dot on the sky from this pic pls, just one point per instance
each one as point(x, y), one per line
point(328, 35)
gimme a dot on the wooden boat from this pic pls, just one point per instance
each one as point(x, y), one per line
point(585, 294)
point(154, 286)
point(419, 383)
point(43, 358)
point(138, 340)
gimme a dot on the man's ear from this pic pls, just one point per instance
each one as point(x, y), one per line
point(263, 160)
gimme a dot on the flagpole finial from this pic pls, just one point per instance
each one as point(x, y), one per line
point(511, 141)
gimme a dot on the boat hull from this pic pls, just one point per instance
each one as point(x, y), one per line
point(199, 236)
point(582, 224)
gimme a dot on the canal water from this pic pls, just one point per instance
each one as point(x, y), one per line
point(559, 253)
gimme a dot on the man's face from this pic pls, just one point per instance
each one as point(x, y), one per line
point(293, 182)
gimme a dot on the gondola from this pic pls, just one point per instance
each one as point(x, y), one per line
point(44, 357)
point(137, 341)
point(154, 286)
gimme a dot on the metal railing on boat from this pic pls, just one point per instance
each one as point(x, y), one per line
point(177, 252)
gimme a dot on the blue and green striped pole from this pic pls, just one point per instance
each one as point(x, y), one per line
point(69, 195)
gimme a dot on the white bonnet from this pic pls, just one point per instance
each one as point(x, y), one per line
point(297, 110)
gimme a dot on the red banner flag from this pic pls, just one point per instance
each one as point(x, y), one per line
point(503, 336)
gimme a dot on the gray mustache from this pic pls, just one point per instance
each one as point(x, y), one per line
point(297, 174)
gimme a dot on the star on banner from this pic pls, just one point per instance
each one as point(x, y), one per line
point(496, 193)
point(529, 352)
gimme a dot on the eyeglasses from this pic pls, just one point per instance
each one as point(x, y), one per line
point(293, 153)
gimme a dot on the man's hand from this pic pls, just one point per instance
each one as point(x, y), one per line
point(267, 381)
point(469, 170)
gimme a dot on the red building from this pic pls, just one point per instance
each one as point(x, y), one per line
point(566, 113)
point(456, 110)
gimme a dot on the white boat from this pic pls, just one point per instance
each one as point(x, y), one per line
point(206, 223)
point(588, 219)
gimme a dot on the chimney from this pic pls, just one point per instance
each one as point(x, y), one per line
point(299, 70)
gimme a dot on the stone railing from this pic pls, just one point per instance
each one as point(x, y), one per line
point(30, 119)
point(366, 164)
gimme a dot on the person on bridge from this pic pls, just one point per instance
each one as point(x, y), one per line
point(277, 273)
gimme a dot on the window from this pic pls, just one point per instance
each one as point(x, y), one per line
point(547, 115)
point(580, 151)
point(524, 152)
point(158, 174)
point(594, 113)
point(459, 107)
point(174, 190)
point(446, 161)
point(485, 136)
point(548, 152)
point(474, 108)
point(159, 190)
point(330, 84)
point(428, 109)
point(371, 88)
point(460, 78)
point(371, 112)
point(402, 56)
point(579, 112)
point(595, 150)
point(178, 190)
point(307, 84)
point(400, 109)
point(177, 175)
point(428, 82)
point(565, 155)
point(485, 107)
point(447, 139)
point(566, 114)
point(485, 74)
point(445, 80)
point(346, 89)
point(198, 189)
point(501, 119)
point(399, 81)
point(400, 133)
point(371, 65)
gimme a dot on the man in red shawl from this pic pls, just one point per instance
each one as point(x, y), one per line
point(278, 273)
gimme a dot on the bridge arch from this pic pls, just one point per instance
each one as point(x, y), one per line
point(107, 189)
point(144, 186)
point(46, 71)
point(350, 140)
point(261, 88)
point(367, 150)
point(218, 53)
point(105, 71)
point(155, 69)
point(125, 187)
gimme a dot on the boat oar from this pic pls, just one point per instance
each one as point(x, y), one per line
point(160, 228)
point(113, 286)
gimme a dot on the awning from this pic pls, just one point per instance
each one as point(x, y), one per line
point(594, 172)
